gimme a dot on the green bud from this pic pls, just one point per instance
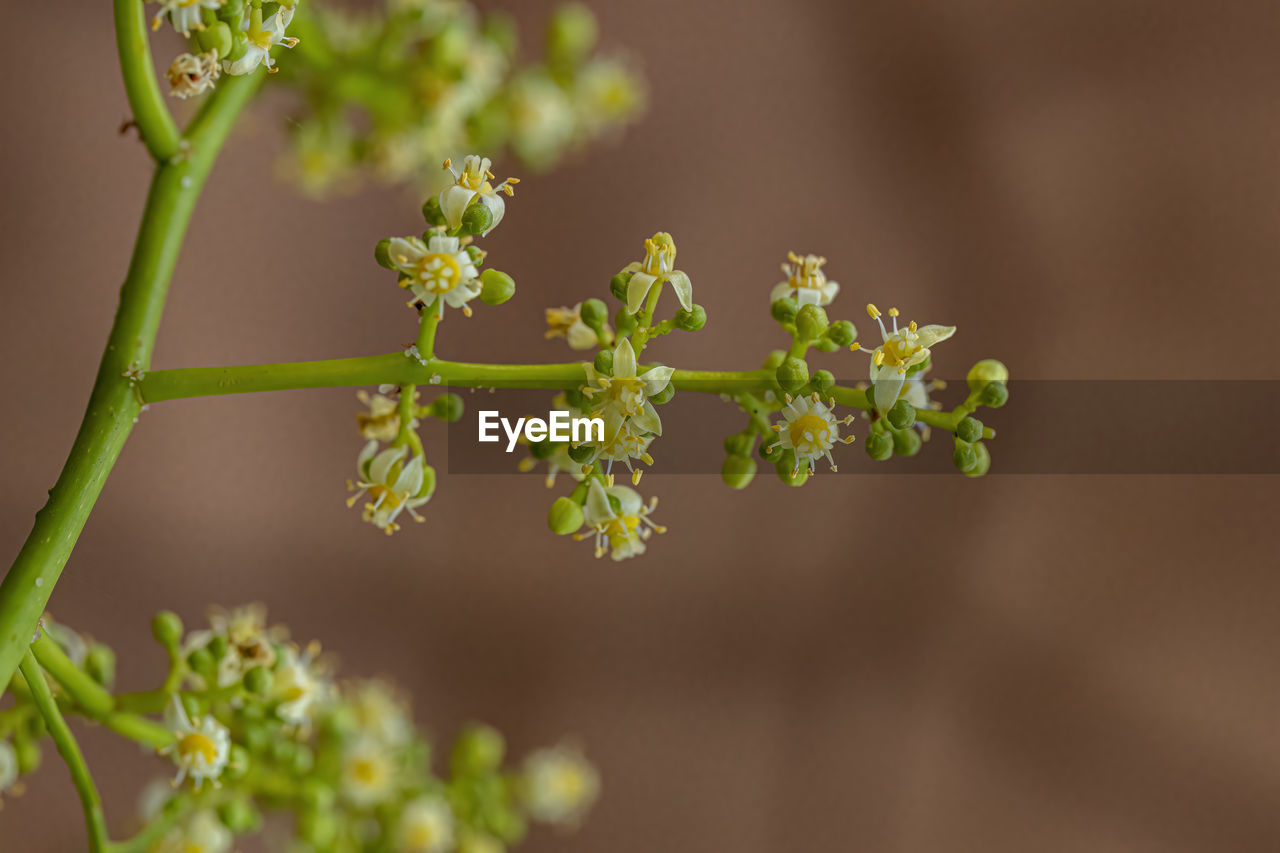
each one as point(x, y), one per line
point(624, 322)
point(216, 36)
point(738, 444)
point(239, 43)
point(258, 681)
point(691, 320)
point(985, 371)
point(282, 749)
point(257, 737)
point(100, 663)
point(571, 34)
point(969, 429)
point(792, 374)
point(573, 396)
point(582, 453)
point(983, 461)
point(784, 310)
point(433, 214)
point(822, 381)
point(217, 646)
point(965, 457)
point(664, 395)
point(232, 12)
point(317, 794)
point(477, 218)
point(542, 449)
point(604, 361)
point(842, 333)
point(618, 285)
point(166, 627)
point(319, 828)
point(594, 313)
point(995, 395)
point(27, 752)
point(775, 358)
point(498, 287)
point(382, 253)
point(871, 398)
point(906, 442)
point(826, 345)
point(737, 472)
point(238, 760)
point(786, 470)
point(448, 407)
point(474, 252)
point(902, 415)
point(479, 750)
point(303, 760)
point(239, 815)
point(565, 516)
point(811, 322)
point(878, 446)
point(202, 661)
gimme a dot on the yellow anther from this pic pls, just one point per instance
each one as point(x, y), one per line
point(448, 164)
point(636, 475)
point(490, 175)
point(912, 326)
point(893, 312)
point(872, 311)
point(854, 347)
point(878, 358)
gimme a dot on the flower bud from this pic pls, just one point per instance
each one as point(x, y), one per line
point(565, 516)
point(604, 361)
point(202, 662)
point(166, 627)
point(987, 370)
point(618, 285)
point(983, 463)
point(447, 407)
point(822, 381)
point(317, 794)
point(239, 815)
point(811, 322)
point(786, 470)
point(479, 750)
point(784, 310)
point(542, 449)
point(994, 395)
point(969, 429)
point(842, 333)
point(668, 391)
point(902, 415)
point(215, 36)
point(691, 320)
point(826, 345)
point(319, 828)
point(382, 253)
point(433, 214)
point(737, 472)
point(238, 762)
point(964, 457)
point(582, 453)
point(239, 43)
point(738, 444)
point(258, 681)
point(100, 663)
point(878, 446)
point(871, 398)
point(906, 442)
point(571, 34)
point(477, 218)
point(624, 322)
point(792, 374)
point(303, 760)
point(217, 646)
point(594, 313)
point(498, 286)
point(256, 736)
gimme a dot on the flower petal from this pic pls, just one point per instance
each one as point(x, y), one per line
point(888, 385)
point(597, 509)
point(656, 378)
point(624, 361)
point(781, 290)
point(410, 479)
point(580, 336)
point(648, 420)
point(638, 291)
point(930, 335)
point(453, 202)
point(683, 287)
point(383, 462)
point(497, 208)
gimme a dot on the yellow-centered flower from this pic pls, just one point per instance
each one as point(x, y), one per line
point(620, 532)
point(657, 267)
point(439, 272)
point(559, 785)
point(392, 485)
point(200, 749)
point(806, 280)
point(809, 431)
point(902, 350)
point(473, 183)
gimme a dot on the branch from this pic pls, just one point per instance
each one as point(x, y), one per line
point(150, 112)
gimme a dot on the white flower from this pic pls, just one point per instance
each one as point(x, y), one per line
point(382, 421)
point(426, 826)
point(658, 266)
point(8, 766)
point(391, 486)
point(185, 15)
point(299, 684)
point(541, 118)
point(473, 184)
point(902, 350)
point(368, 772)
point(806, 280)
point(202, 832)
point(193, 74)
point(809, 430)
point(199, 749)
point(624, 395)
point(380, 712)
point(623, 531)
point(439, 272)
point(249, 642)
point(559, 785)
point(567, 323)
point(263, 35)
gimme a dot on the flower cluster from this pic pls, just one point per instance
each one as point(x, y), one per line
point(231, 36)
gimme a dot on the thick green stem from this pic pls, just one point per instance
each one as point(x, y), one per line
point(427, 333)
point(114, 402)
point(70, 752)
point(150, 113)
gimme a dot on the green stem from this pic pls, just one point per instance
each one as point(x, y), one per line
point(70, 752)
point(150, 113)
point(114, 402)
point(427, 333)
point(87, 693)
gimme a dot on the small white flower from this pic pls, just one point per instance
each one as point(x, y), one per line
point(382, 421)
point(379, 711)
point(185, 15)
point(392, 486)
point(300, 683)
point(202, 832)
point(621, 532)
point(368, 772)
point(199, 749)
point(806, 280)
point(263, 35)
point(902, 350)
point(426, 826)
point(567, 323)
point(542, 121)
point(657, 267)
point(559, 785)
point(193, 74)
point(439, 272)
point(249, 642)
point(473, 183)
point(809, 430)
point(623, 395)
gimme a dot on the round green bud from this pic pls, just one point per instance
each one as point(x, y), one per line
point(902, 415)
point(217, 646)
point(317, 794)
point(737, 472)
point(238, 760)
point(906, 442)
point(320, 828)
point(565, 516)
point(994, 395)
point(232, 12)
point(664, 395)
point(571, 34)
point(573, 396)
point(691, 320)
point(259, 681)
point(738, 444)
point(784, 310)
point(166, 627)
point(582, 454)
point(594, 313)
point(448, 407)
point(478, 751)
point(257, 737)
point(433, 214)
point(822, 381)
point(964, 457)
point(100, 663)
point(787, 471)
point(215, 36)
point(542, 449)
point(497, 288)
point(983, 461)
point(624, 322)
point(842, 333)
point(477, 218)
point(382, 253)
point(239, 44)
point(878, 446)
point(202, 661)
point(811, 322)
point(826, 345)
point(618, 285)
point(775, 358)
point(792, 375)
point(969, 429)
point(604, 361)
point(239, 815)
point(474, 252)
point(27, 752)
point(985, 371)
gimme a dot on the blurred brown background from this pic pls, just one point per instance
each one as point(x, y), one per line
point(878, 663)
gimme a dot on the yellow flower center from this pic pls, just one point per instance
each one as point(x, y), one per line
point(421, 836)
point(807, 432)
point(390, 499)
point(659, 254)
point(621, 529)
point(900, 347)
point(197, 744)
point(368, 771)
point(440, 272)
point(569, 783)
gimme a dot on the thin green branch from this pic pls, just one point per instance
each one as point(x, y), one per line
point(150, 113)
point(94, 820)
point(88, 694)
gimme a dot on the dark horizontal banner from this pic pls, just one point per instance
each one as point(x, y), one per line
point(1047, 427)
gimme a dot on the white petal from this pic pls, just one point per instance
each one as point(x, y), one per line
point(781, 290)
point(807, 296)
point(410, 479)
point(888, 384)
point(453, 202)
point(629, 500)
point(829, 291)
point(657, 378)
point(597, 509)
point(638, 291)
point(581, 336)
point(382, 463)
point(648, 419)
point(683, 288)
point(930, 335)
point(497, 208)
point(624, 361)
